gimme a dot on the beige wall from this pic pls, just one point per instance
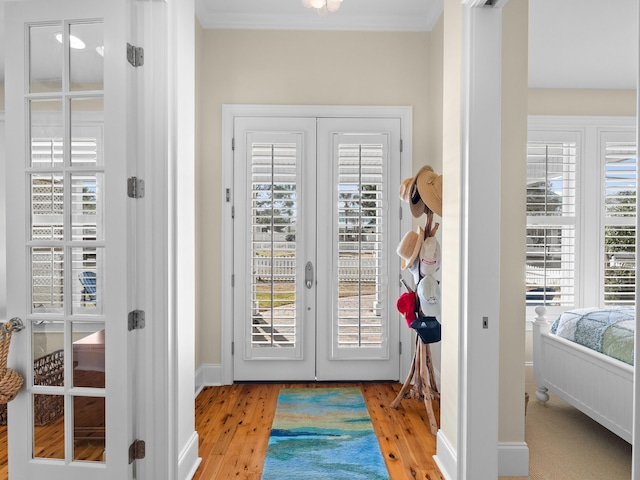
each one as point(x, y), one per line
point(451, 207)
point(292, 68)
point(560, 101)
point(513, 221)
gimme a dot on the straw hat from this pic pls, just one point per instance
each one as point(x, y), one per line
point(429, 186)
point(409, 247)
point(409, 193)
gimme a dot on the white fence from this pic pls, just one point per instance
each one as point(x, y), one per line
point(283, 269)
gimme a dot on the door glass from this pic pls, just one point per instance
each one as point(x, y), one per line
point(48, 426)
point(274, 209)
point(67, 235)
point(89, 429)
point(360, 228)
point(45, 58)
point(86, 56)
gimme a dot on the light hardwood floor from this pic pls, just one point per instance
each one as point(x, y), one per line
point(234, 422)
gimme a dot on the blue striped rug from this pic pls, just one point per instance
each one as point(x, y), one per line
point(323, 433)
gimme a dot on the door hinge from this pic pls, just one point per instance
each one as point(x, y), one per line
point(233, 280)
point(227, 195)
point(233, 144)
point(401, 145)
point(400, 213)
point(136, 320)
point(233, 212)
point(135, 187)
point(135, 55)
point(400, 348)
point(137, 451)
point(233, 348)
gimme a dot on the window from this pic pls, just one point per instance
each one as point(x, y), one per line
point(581, 213)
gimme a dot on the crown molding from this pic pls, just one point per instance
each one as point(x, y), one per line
point(304, 21)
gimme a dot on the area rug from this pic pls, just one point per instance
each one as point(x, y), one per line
point(323, 433)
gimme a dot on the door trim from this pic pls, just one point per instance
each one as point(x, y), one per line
point(229, 112)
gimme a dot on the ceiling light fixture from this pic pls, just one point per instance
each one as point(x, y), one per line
point(323, 6)
point(74, 42)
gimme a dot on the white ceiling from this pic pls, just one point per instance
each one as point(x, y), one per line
point(573, 43)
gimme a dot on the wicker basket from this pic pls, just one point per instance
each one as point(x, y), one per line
point(47, 370)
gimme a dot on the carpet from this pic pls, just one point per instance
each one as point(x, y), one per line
point(323, 433)
point(565, 444)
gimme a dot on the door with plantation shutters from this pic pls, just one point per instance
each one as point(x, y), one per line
point(314, 247)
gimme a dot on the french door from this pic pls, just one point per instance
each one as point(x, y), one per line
point(315, 229)
point(68, 251)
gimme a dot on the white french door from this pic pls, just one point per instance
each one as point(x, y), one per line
point(67, 246)
point(316, 226)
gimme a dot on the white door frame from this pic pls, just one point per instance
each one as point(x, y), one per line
point(478, 345)
point(635, 456)
point(229, 111)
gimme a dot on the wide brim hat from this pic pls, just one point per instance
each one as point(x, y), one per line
point(429, 185)
point(409, 247)
point(409, 193)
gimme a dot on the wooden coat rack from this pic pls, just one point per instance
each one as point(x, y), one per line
point(422, 374)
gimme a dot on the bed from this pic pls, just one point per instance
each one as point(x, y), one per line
point(598, 382)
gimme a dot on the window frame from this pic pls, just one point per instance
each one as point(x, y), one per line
point(591, 132)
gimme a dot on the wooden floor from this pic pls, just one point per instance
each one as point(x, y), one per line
point(234, 422)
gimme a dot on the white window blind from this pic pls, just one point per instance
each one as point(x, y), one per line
point(360, 228)
point(619, 249)
point(274, 209)
point(551, 222)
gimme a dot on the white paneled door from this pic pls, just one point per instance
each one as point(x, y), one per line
point(316, 225)
point(67, 245)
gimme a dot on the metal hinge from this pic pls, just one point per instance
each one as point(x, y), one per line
point(233, 348)
point(401, 145)
point(136, 320)
point(233, 280)
point(233, 144)
point(135, 55)
point(400, 349)
point(135, 187)
point(400, 213)
point(137, 451)
point(233, 212)
point(227, 195)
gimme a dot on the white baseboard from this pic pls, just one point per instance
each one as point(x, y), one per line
point(513, 459)
point(446, 458)
point(208, 376)
point(188, 461)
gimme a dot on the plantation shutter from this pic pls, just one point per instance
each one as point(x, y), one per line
point(274, 210)
point(551, 218)
point(360, 228)
point(47, 210)
point(619, 247)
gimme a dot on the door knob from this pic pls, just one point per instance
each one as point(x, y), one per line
point(308, 274)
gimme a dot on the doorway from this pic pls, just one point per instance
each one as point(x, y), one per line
point(315, 222)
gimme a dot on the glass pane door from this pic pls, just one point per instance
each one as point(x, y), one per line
point(357, 331)
point(68, 248)
point(274, 241)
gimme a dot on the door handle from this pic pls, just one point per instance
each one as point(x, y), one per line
point(308, 274)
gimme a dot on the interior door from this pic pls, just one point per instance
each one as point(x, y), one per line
point(67, 247)
point(312, 236)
